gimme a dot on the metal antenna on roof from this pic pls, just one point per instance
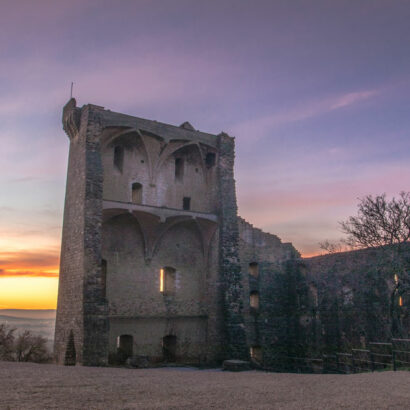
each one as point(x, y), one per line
point(71, 92)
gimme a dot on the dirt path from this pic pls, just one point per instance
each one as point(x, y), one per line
point(31, 386)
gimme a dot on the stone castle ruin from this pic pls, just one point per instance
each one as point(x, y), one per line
point(156, 263)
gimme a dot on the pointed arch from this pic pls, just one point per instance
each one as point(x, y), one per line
point(173, 147)
point(125, 137)
point(111, 214)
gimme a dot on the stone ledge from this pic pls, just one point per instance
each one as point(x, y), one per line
point(236, 365)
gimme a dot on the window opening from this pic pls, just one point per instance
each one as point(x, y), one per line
point(169, 347)
point(124, 347)
point(104, 278)
point(210, 159)
point(253, 269)
point(256, 353)
point(136, 193)
point(118, 157)
point(179, 169)
point(167, 280)
point(186, 203)
point(254, 300)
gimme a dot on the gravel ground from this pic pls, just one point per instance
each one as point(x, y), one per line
point(32, 386)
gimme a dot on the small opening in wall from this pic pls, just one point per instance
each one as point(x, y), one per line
point(400, 300)
point(254, 300)
point(124, 347)
point(210, 159)
point(169, 348)
point(256, 353)
point(179, 169)
point(136, 193)
point(167, 280)
point(253, 269)
point(186, 203)
point(118, 157)
point(104, 278)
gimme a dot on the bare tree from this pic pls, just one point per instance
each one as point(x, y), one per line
point(331, 247)
point(379, 222)
point(6, 342)
point(31, 348)
point(385, 224)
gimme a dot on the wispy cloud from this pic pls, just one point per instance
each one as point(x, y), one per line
point(42, 263)
point(260, 127)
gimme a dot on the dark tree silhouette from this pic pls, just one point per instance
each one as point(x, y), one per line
point(6, 342)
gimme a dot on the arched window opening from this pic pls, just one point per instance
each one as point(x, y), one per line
point(179, 169)
point(254, 300)
point(136, 193)
point(253, 269)
point(167, 280)
point(256, 353)
point(104, 278)
point(118, 157)
point(186, 203)
point(70, 357)
point(210, 159)
point(124, 347)
point(169, 348)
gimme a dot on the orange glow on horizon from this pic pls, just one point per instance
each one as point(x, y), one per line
point(312, 255)
point(28, 292)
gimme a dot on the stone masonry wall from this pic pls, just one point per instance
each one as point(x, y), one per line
point(229, 268)
point(267, 326)
point(81, 307)
point(354, 299)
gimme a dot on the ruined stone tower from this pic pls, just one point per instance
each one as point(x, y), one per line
point(150, 248)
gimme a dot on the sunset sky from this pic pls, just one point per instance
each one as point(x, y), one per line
point(317, 94)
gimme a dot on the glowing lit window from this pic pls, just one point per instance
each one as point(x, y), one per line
point(254, 300)
point(256, 353)
point(167, 277)
point(400, 301)
point(104, 278)
point(253, 269)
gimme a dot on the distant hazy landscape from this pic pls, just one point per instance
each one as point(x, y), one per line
point(39, 322)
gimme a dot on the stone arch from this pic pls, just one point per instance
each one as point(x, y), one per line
point(123, 247)
point(127, 154)
point(129, 219)
point(180, 247)
point(172, 223)
point(179, 149)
